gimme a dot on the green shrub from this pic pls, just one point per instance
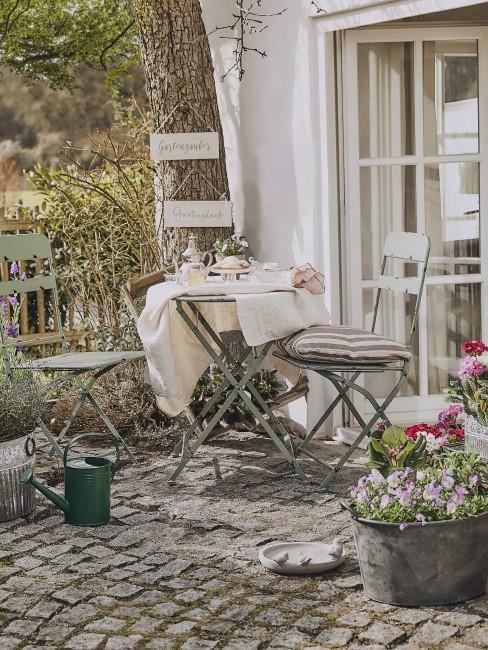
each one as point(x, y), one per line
point(100, 220)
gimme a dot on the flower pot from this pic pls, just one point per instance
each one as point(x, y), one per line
point(438, 563)
point(475, 436)
point(16, 456)
point(240, 256)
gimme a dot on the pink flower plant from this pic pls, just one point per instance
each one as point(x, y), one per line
point(471, 389)
point(446, 431)
point(470, 367)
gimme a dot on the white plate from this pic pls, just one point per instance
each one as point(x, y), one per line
point(321, 561)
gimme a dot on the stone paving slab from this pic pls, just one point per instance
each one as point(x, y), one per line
point(177, 567)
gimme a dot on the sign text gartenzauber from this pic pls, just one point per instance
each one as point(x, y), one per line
point(197, 214)
point(184, 146)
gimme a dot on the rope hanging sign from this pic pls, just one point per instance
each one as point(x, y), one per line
point(185, 146)
point(197, 214)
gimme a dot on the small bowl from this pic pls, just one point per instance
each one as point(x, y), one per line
point(321, 558)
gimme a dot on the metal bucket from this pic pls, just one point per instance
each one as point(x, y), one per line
point(438, 563)
point(475, 436)
point(16, 456)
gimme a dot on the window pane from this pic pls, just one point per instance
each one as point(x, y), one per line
point(394, 321)
point(386, 103)
point(387, 203)
point(450, 97)
point(453, 316)
point(452, 204)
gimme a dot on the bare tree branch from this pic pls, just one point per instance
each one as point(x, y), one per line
point(248, 20)
point(318, 8)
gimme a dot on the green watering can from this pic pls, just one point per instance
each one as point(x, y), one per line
point(87, 481)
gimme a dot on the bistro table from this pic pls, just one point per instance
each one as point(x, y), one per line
point(238, 372)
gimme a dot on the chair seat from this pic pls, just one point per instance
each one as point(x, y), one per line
point(84, 360)
point(333, 344)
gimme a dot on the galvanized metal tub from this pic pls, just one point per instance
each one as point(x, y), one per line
point(16, 500)
point(438, 563)
point(475, 436)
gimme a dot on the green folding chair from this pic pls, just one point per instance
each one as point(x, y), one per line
point(343, 354)
point(36, 247)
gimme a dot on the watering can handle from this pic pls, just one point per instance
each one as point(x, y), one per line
point(114, 466)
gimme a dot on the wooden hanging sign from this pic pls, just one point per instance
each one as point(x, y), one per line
point(184, 146)
point(197, 214)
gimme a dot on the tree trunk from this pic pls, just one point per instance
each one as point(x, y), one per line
point(178, 66)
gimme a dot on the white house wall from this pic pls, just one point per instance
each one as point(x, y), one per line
point(274, 143)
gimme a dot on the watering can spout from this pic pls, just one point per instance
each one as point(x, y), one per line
point(28, 477)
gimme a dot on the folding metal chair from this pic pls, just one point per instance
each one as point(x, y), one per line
point(317, 349)
point(26, 248)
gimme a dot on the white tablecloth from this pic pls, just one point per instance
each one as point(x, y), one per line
point(175, 358)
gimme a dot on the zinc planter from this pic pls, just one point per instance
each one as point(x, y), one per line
point(16, 456)
point(475, 436)
point(438, 563)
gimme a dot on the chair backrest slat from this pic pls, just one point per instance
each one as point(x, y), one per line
point(408, 247)
point(37, 283)
point(406, 285)
point(14, 248)
point(411, 246)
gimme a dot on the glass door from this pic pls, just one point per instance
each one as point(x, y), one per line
point(415, 152)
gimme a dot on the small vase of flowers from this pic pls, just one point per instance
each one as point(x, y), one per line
point(236, 246)
point(471, 390)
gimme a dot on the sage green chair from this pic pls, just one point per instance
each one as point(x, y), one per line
point(342, 354)
point(74, 365)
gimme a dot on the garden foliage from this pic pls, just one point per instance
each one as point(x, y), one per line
point(100, 220)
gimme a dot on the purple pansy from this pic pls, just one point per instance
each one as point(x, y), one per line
point(432, 491)
point(473, 479)
point(447, 479)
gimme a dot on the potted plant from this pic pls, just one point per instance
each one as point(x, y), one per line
point(237, 416)
point(235, 246)
point(22, 403)
point(420, 533)
point(471, 390)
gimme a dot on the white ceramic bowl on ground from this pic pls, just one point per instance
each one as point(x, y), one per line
point(301, 558)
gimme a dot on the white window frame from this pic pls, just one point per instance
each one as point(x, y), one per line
point(406, 409)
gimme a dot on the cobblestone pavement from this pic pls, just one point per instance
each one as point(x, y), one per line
point(177, 568)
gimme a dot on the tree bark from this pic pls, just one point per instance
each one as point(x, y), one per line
point(178, 66)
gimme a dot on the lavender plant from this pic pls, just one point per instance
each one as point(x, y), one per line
point(22, 403)
point(10, 316)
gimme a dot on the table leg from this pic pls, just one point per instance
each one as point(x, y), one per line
point(241, 386)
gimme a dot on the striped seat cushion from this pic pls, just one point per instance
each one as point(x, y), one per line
point(327, 343)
